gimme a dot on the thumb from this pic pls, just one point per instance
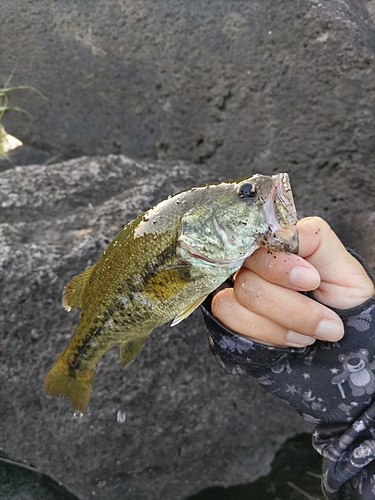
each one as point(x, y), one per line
point(344, 282)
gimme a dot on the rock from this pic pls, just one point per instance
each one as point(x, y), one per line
point(171, 425)
point(25, 155)
point(238, 85)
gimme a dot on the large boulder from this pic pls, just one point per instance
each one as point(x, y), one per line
point(236, 84)
point(171, 425)
point(241, 86)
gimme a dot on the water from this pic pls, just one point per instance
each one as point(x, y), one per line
point(121, 416)
point(20, 482)
point(295, 475)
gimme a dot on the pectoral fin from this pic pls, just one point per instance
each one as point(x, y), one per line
point(130, 351)
point(191, 307)
point(73, 291)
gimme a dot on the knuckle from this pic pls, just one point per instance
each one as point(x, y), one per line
point(318, 224)
point(305, 321)
point(220, 302)
point(249, 291)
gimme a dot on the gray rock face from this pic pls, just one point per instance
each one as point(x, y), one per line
point(171, 425)
point(238, 85)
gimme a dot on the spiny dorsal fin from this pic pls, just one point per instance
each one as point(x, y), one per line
point(190, 308)
point(74, 289)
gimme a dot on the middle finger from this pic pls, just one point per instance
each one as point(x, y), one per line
point(286, 307)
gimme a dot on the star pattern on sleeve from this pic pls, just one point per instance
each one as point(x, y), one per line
point(291, 388)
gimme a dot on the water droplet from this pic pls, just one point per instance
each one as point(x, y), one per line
point(121, 416)
point(154, 221)
point(77, 415)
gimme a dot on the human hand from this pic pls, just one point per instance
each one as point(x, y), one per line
point(265, 305)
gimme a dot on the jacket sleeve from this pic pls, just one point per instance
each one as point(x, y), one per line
point(330, 384)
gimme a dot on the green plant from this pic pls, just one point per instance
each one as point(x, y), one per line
point(4, 99)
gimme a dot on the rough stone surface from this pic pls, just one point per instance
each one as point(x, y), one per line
point(236, 84)
point(188, 425)
point(24, 155)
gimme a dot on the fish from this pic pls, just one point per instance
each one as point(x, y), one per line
point(163, 265)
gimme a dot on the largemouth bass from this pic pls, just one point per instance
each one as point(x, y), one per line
point(162, 266)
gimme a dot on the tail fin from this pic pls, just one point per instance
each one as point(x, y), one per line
point(76, 386)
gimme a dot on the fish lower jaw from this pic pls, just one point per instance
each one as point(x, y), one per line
point(285, 240)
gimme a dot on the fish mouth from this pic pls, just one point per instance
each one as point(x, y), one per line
point(281, 217)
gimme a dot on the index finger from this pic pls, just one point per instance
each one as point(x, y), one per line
point(344, 281)
point(284, 269)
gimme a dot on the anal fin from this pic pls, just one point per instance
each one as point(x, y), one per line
point(130, 350)
point(191, 308)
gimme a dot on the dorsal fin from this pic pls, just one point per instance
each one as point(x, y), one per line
point(73, 291)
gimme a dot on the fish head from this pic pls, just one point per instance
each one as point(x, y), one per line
point(228, 221)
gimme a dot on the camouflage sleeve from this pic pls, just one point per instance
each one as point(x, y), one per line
point(330, 384)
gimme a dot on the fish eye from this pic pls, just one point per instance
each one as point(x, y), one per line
point(247, 191)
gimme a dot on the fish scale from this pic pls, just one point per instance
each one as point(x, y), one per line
point(162, 266)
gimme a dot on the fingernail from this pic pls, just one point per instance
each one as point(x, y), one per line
point(329, 330)
point(295, 339)
point(304, 277)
